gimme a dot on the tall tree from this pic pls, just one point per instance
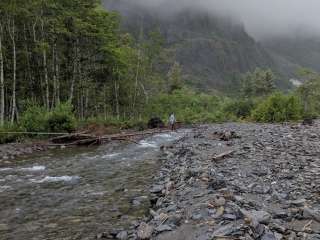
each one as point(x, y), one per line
point(2, 97)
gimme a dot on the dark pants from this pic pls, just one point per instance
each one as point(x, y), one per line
point(173, 127)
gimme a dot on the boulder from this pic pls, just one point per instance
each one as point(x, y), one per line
point(155, 122)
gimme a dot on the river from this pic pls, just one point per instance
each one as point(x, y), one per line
point(79, 192)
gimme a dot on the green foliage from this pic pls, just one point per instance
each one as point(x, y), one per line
point(188, 106)
point(34, 119)
point(9, 138)
point(241, 109)
point(278, 108)
point(38, 119)
point(258, 83)
point(61, 119)
point(309, 92)
point(175, 77)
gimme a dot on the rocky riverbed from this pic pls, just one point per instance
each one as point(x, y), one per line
point(236, 181)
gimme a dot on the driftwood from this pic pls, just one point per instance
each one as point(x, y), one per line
point(222, 155)
point(88, 140)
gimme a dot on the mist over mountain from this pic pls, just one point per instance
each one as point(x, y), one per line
point(262, 19)
point(218, 41)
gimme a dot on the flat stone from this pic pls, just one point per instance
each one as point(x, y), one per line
point(163, 228)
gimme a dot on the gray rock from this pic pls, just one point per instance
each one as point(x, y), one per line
point(123, 235)
point(144, 231)
point(156, 188)
point(174, 219)
point(269, 236)
point(163, 228)
point(298, 203)
point(226, 230)
point(309, 213)
point(196, 216)
point(230, 217)
point(257, 216)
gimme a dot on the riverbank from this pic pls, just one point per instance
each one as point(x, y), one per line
point(263, 183)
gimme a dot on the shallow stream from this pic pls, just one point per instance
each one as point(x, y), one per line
point(77, 193)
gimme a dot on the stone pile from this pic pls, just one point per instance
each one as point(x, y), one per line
point(267, 188)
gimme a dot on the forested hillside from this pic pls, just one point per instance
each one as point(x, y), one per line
point(67, 63)
point(59, 51)
point(213, 51)
point(300, 50)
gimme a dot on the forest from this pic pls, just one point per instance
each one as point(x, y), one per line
point(69, 63)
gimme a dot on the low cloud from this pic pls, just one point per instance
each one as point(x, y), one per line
point(262, 18)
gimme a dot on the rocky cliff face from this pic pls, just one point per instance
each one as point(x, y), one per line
point(213, 51)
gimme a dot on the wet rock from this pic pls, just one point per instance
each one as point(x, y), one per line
point(144, 231)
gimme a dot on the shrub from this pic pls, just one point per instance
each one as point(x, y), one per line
point(240, 108)
point(278, 108)
point(188, 106)
point(8, 138)
point(61, 119)
point(34, 119)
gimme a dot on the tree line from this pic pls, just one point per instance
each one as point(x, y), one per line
point(54, 51)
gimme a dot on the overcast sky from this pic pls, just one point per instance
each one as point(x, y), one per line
point(262, 18)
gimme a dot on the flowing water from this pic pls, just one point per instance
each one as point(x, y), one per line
point(77, 193)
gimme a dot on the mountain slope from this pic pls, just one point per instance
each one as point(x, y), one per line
point(302, 51)
point(213, 51)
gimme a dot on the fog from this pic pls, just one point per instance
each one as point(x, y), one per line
point(262, 18)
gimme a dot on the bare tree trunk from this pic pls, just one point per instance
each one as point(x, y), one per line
point(86, 104)
point(136, 82)
point(54, 80)
point(45, 69)
point(14, 80)
point(116, 90)
point(2, 101)
point(29, 75)
point(74, 75)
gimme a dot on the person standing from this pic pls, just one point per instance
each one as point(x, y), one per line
point(172, 121)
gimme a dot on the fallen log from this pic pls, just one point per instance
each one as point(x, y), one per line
point(88, 140)
point(70, 138)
